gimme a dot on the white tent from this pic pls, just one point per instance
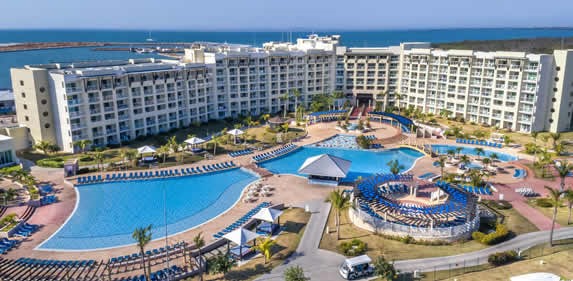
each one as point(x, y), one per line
point(235, 133)
point(538, 276)
point(241, 236)
point(268, 214)
point(146, 149)
point(194, 141)
point(325, 165)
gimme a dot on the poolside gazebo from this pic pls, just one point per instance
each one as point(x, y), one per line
point(235, 133)
point(241, 237)
point(193, 142)
point(268, 216)
point(277, 121)
point(147, 149)
point(325, 169)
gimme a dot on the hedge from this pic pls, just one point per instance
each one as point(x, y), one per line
point(355, 247)
point(53, 162)
point(502, 258)
point(499, 235)
point(544, 203)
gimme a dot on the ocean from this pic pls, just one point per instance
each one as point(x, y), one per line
point(349, 38)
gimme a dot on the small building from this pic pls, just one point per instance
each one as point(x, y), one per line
point(277, 122)
point(325, 169)
point(7, 153)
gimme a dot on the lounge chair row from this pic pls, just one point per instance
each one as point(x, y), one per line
point(160, 275)
point(157, 174)
point(244, 219)
point(526, 192)
point(47, 200)
point(54, 263)
point(480, 142)
point(274, 153)
point(148, 253)
point(370, 137)
point(240, 152)
point(7, 245)
point(477, 189)
point(25, 230)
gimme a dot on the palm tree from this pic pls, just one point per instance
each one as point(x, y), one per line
point(265, 246)
point(164, 152)
point(296, 94)
point(340, 202)
point(395, 166)
point(465, 159)
point(398, 98)
point(442, 162)
point(479, 151)
point(221, 264)
point(82, 144)
point(534, 136)
point(384, 94)
point(99, 157)
point(486, 161)
point(265, 117)
point(451, 153)
point(569, 199)
point(173, 144)
point(285, 98)
point(458, 150)
point(559, 149)
point(563, 169)
point(199, 243)
point(384, 269)
point(142, 236)
point(127, 155)
point(555, 137)
point(44, 146)
point(493, 157)
point(554, 197)
point(215, 140)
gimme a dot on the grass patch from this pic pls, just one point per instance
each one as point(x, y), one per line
point(295, 221)
point(562, 212)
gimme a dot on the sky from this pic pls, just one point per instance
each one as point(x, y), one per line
point(282, 15)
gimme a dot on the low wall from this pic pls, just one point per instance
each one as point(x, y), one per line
point(450, 234)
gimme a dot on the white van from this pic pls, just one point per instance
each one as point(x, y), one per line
point(356, 267)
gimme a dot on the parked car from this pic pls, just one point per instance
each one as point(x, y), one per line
point(357, 267)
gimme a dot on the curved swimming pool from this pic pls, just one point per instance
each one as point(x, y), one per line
point(107, 213)
point(470, 150)
point(364, 162)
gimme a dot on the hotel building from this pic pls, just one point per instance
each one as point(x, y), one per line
point(111, 102)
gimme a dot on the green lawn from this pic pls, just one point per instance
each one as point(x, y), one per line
point(562, 212)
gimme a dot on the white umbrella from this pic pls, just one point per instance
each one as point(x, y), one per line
point(235, 133)
point(268, 214)
point(194, 141)
point(146, 149)
point(241, 236)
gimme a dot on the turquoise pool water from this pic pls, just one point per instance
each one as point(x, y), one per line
point(470, 150)
point(364, 162)
point(107, 213)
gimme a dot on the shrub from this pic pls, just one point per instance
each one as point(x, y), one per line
point(500, 205)
point(544, 202)
point(407, 239)
point(499, 235)
point(355, 247)
point(53, 162)
point(86, 158)
point(502, 258)
point(363, 142)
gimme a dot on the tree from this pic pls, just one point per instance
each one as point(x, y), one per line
point(465, 160)
point(296, 94)
point(127, 155)
point(555, 137)
point(99, 157)
point(340, 202)
point(44, 146)
point(142, 236)
point(569, 199)
point(554, 197)
point(479, 151)
point(486, 161)
point(384, 269)
point(285, 127)
point(563, 169)
point(559, 149)
point(215, 140)
point(284, 98)
point(82, 144)
point(451, 153)
point(265, 117)
point(199, 243)
point(395, 166)
point(10, 194)
point(173, 144)
point(442, 162)
point(458, 150)
point(384, 94)
point(493, 157)
point(534, 136)
point(265, 246)
point(295, 273)
point(164, 151)
point(221, 264)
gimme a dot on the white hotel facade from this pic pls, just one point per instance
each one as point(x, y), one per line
point(110, 102)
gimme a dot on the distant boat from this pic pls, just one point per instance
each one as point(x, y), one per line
point(149, 39)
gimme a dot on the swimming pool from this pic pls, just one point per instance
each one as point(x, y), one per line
point(469, 150)
point(107, 213)
point(364, 162)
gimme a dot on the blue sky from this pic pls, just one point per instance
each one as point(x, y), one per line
point(283, 15)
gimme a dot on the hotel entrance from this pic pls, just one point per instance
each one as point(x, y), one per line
point(366, 100)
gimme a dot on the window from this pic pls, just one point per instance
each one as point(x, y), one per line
point(556, 79)
point(45, 113)
point(25, 106)
point(21, 82)
point(26, 118)
point(558, 68)
point(47, 125)
point(23, 95)
point(44, 101)
point(42, 89)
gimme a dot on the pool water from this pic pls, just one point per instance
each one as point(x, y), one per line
point(364, 162)
point(469, 150)
point(107, 213)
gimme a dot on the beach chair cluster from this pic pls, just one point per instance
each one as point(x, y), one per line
point(240, 152)
point(173, 272)
point(476, 189)
point(158, 174)
point(136, 257)
point(479, 142)
point(29, 262)
point(244, 219)
point(370, 137)
point(26, 229)
point(7, 245)
point(394, 188)
point(275, 153)
point(526, 192)
point(47, 200)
